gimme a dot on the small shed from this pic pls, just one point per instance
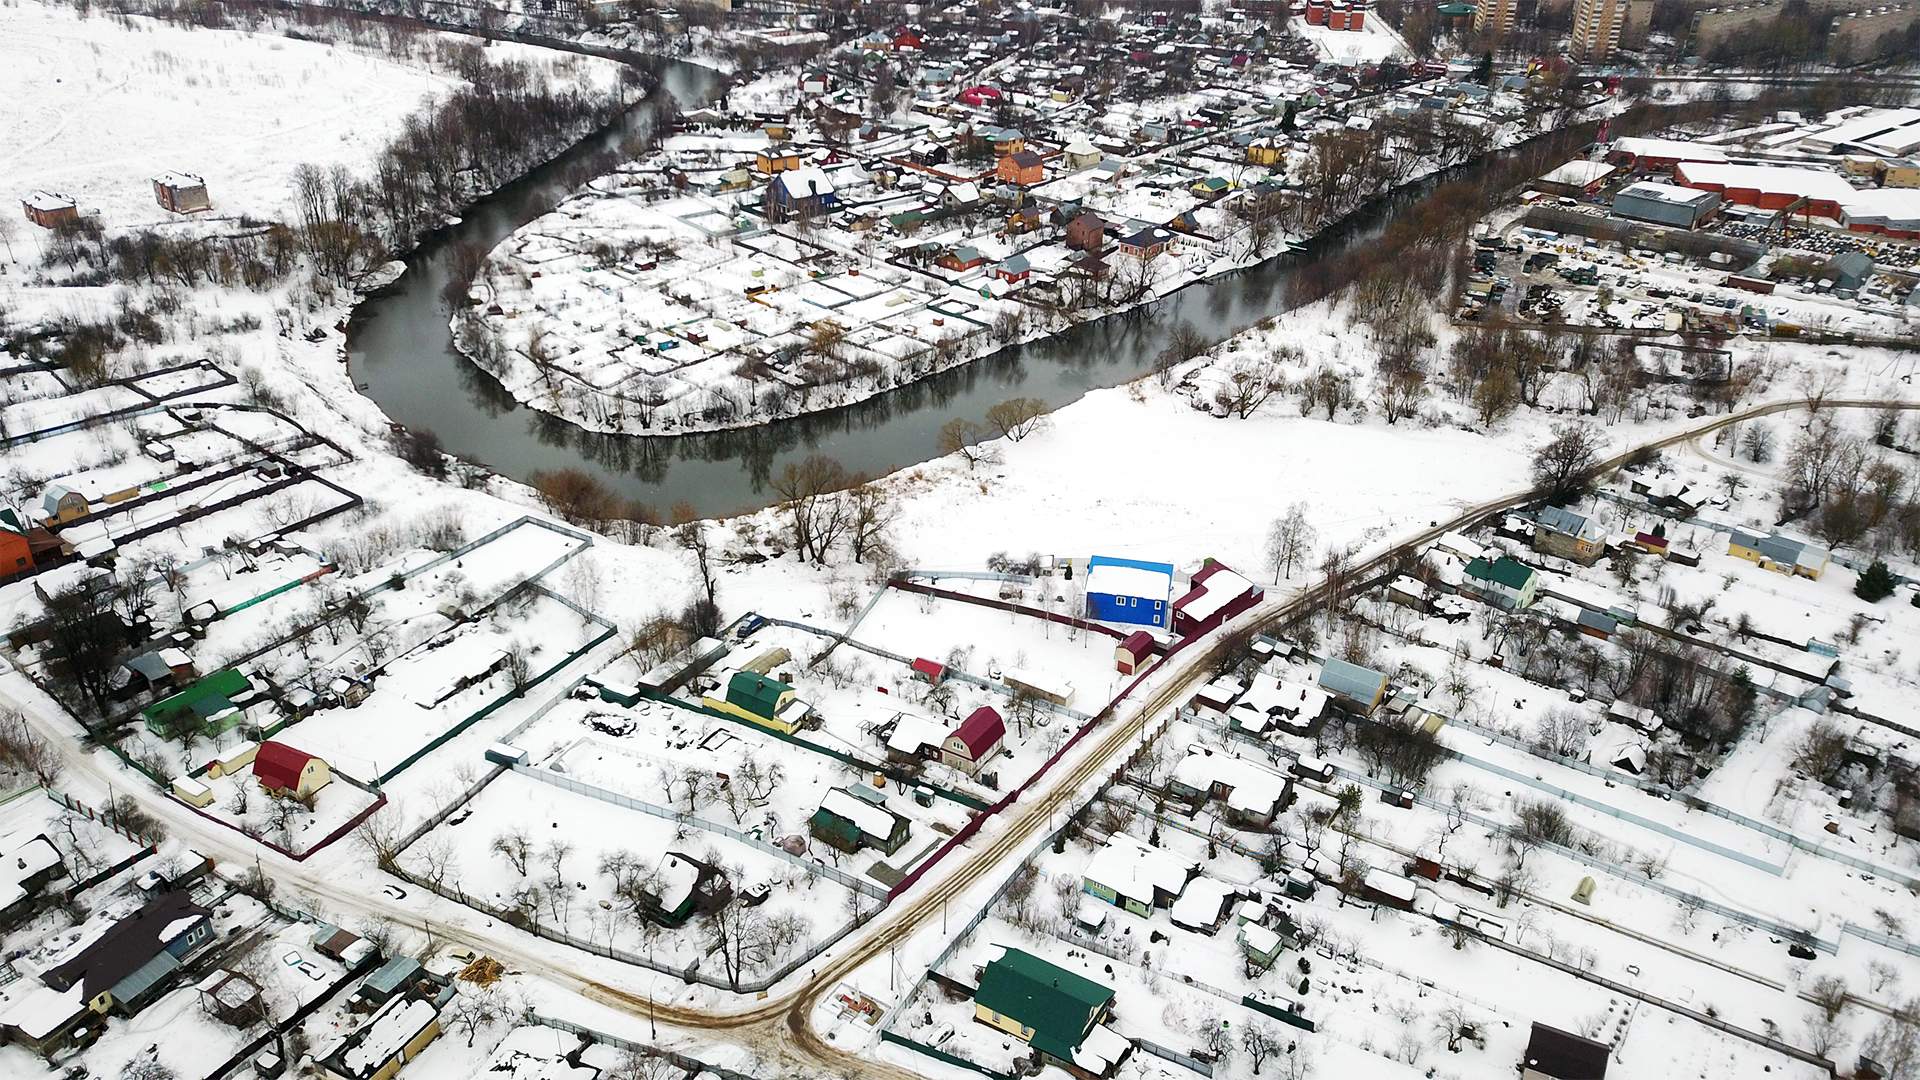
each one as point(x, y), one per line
point(181, 193)
point(1133, 653)
point(50, 210)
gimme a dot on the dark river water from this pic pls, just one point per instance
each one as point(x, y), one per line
point(401, 352)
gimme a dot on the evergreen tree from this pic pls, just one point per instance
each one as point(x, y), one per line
point(1876, 584)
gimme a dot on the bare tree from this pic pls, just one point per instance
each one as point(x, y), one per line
point(1289, 539)
point(962, 436)
point(1563, 464)
point(1017, 418)
point(514, 846)
point(1261, 1042)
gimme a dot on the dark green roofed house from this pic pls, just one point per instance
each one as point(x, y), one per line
point(1504, 581)
point(208, 703)
point(1052, 1009)
point(760, 699)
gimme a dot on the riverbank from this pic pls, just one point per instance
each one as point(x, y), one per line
point(624, 314)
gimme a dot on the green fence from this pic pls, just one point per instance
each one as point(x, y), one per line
point(961, 797)
point(1268, 1008)
point(490, 707)
point(942, 1055)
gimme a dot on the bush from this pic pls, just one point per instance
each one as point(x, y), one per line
point(1875, 584)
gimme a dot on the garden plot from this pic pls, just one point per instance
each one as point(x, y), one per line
point(84, 845)
point(287, 823)
point(991, 644)
point(22, 417)
point(434, 686)
point(592, 834)
point(868, 706)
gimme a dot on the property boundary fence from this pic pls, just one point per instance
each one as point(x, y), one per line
point(607, 630)
point(690, 973)
point(693, 1065)
point(902, 659)
point(594, 791)
point(1167, 1053)
point(941, 1055)
point(152, 404)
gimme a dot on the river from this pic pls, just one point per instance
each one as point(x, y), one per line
point(401, 353)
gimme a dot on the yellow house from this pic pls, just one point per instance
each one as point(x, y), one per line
point(230, 761)
point(1264, 152)
point(391, 1037)
point(192, 792)
point(775, 161)
point(1780, 554)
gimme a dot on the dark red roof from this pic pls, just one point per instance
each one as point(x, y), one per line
point(930, 668)
point(981, 731)
point(278, 765)
point(1139, 643)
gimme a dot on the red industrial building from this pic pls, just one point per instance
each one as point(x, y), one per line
point(1809, 192)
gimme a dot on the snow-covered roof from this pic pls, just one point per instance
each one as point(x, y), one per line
point(1128, 577)
point(1676, 149)
point(1135, 870)
point(179, 180)
point(1390, 884)
point(674, 881)
point(1200, 904)
point(912, 732)
point(1219, 587)
point(1811, 183)
point(1259, 938)
point(871, 819)
point(1102, 1047)
point(392, 1028)
point(1579, 172)
point(48, 200)
point(801, 183)
point(1254, 787)
point(1655, 191)
point(24, 858)
point(37, 1010)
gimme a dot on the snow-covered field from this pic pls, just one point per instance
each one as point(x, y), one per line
point(101, 103)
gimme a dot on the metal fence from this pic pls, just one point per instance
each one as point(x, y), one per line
point(694, 821)
point(693, 1065)
point(1175, 1056)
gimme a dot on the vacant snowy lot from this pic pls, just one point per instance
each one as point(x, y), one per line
point(99, 105)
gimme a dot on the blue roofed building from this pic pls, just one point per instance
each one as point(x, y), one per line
point(1130, 591)
point(1359, 687)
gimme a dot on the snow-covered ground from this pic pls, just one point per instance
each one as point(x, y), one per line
point(101, 103)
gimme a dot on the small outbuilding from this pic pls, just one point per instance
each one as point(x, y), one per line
point(181, 193)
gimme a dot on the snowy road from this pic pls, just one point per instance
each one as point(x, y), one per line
point(783, 1023)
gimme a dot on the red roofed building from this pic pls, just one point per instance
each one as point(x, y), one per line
point(1132, 654)
point(976, 739)
point(929, 671)
point(283, 770)
point(979, 95)
point(1216, 595)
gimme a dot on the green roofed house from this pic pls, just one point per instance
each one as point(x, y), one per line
point(1504, 581)
point(209, 704)
point(760, 699)
point(1058, 1013)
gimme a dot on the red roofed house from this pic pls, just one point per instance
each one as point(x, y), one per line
point(976, 739)
point(1133, 654)
point(929, 671)
point(979, 95)
point(1217, 594)
point(906, 38)
point(283, 770)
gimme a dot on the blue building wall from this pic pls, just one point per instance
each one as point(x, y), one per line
point(1133, 610)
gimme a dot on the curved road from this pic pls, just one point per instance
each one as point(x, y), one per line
point(782, 1023)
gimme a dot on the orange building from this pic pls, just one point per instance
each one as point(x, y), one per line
point(1024, 168)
